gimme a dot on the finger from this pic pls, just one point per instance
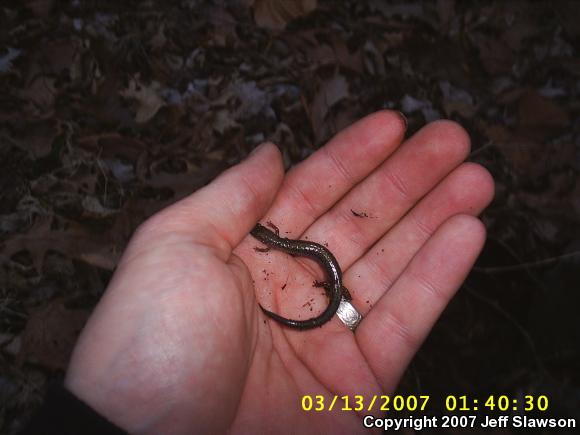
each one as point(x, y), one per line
point(222, 213)
point(375, 205)
point(468, 189)
point(314, 185)
point(421, 162)
point(394, 329)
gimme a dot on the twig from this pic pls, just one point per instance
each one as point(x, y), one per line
point(537, 263)
point(496, 307)
point(485, 146)
point(528, 271)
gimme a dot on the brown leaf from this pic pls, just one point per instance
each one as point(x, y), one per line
point(224, 25)
point(275, 14)
point(74, 241)
point(540, 117)
point(148, 98)
point(92, 208)
point(41, 93)
point(494, 132)
point(326, 49)
point(521, 154)
point(50, 334)
point(495, 55)
point(112, 145)
point(40, 8)
point(329, 93)
point(456, 100)
point(184, 183)
point(36, 137)
point(446, 12)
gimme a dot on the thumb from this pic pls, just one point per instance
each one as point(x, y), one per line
point(222, 213)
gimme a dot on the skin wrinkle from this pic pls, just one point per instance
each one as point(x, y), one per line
point(368, 364)
point(286, 362)
point(222, 247)
point(288, 366)
point(311, 209)
point(135, 249)
point(360, 228)
point(381, 273)
point(427, 286)
point(338, 166)
point(399, 328)
point(312, 268)
point(396, 181)
point(296, 351)
point(424, 230)
point(358, 238)
point(339, 334)
point(321, 389)
point(342, 216)
point(250, 201)
point(218, 306)
point(379, 365)
point(368, 139)
point(242, 277)
point(456, 195)
point(234, 212)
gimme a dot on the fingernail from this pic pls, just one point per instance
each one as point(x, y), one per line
point(404, 118)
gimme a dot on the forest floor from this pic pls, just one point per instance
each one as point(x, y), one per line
point(109, 111)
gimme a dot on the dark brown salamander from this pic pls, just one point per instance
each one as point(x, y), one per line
point(313, 250)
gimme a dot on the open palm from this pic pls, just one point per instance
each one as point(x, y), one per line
point(178, 344)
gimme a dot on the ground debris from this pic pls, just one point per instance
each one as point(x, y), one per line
point(110, 111)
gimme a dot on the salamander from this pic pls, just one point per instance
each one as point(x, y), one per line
point(313, 250)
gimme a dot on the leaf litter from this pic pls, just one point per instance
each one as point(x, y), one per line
point(111, 111)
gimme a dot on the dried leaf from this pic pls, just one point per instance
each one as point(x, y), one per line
point(41, 93)
point(148, 97)
point(446, 12)
point(329, 93)
point(495, 55)
point(456, 100)
point(74, 241)
point(37, 137)
point(7, 58)
point(276, 14)
point(411, 104)
point(40, 8)
point(540, 117)
point(92, 208)
point(223, 121)
point(50, 334)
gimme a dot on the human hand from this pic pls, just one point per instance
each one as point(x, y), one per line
point(178, 344)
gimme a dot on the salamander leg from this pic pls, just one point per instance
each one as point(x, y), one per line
point(328, 289)
point(274, 227)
